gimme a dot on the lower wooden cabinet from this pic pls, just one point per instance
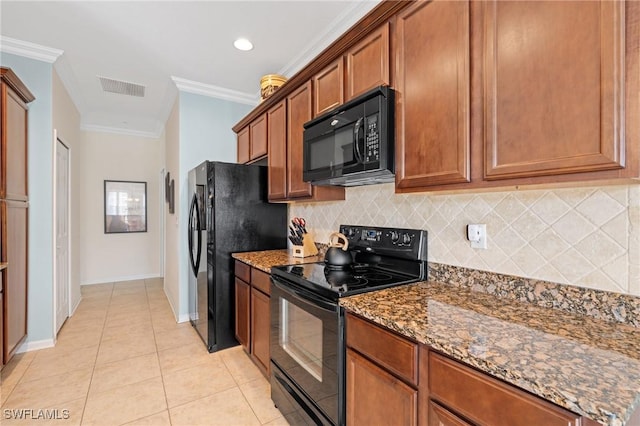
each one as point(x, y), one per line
point(260, 319)
point(440, 416)
point(488, 401)
point(252, 313)
point(394, 380)
point(242, 302)
point(15, 254)
point(375, 396)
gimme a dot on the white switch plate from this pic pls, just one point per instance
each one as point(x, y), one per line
point(477, 235)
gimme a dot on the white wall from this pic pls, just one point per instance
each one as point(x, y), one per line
point(66, 121)
point(118, 257)
point(172, 161)
point(198, 129)
point(586, 236)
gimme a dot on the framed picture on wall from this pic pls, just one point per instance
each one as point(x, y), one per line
point(125, 206)
point(172, 199)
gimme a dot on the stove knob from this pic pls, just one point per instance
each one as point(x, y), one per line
point(395, 236)
point(350, 232)
point(406, 238)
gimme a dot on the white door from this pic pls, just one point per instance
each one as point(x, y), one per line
point(62, 234)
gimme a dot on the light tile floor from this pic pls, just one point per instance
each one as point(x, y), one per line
point(122, 359)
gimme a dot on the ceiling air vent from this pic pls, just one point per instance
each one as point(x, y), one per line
point(121, 87)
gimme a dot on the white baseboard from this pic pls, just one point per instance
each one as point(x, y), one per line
point(183, 318)
point(73, 310)
point(34, 346)
point(122, 278)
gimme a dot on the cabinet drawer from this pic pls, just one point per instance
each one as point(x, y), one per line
point(485, 400)
point(389, 350)
point(243, 271)
point(261, 281)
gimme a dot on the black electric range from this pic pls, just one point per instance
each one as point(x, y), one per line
point(307, 323)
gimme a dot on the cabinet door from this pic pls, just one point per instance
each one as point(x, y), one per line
point(14, 252)
point(260, 319)
point(368, 63)
point(277, 161)
point(298, 113)
point(488, 401)
point(554, 79)
point(258, 137)
point(374, 396)
point(14, 146)
point(432, 99)
point(2, 280)
point(439, 416)
point(243, 146)
point(328, 87)
point(242, 313)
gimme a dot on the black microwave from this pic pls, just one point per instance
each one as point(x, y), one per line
point(352, 145)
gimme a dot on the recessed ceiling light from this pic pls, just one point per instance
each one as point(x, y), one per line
point(243, 44)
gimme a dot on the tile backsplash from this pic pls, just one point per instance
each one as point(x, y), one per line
point(588, 236)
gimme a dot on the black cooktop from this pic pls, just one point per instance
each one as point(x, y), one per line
point(382, 257)
point(333, 284)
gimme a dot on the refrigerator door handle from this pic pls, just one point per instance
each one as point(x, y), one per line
point(194, 212)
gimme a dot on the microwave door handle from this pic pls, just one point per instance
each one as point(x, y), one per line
point(356, 139)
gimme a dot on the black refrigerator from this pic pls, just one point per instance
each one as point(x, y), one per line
point(228, 212)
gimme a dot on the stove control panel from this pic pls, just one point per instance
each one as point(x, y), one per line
point(399, 242)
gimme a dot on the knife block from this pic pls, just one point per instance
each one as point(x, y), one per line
point(308, 247)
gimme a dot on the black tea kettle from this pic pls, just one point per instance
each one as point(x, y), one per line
point(337, 256)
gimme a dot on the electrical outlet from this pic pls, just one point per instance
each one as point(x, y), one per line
point(477, 235)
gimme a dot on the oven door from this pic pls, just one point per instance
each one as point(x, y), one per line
point(307, 349)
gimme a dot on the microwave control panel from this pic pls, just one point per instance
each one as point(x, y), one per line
point(372, 139)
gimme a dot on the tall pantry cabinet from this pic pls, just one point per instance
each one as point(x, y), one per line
point(14, 97)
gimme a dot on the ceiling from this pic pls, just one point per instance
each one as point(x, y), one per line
point(168, 46)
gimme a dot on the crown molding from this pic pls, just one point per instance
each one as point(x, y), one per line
point(69, 81)
point(29, 50)
point(212, 91)
point(156, 134)
point(338, 26)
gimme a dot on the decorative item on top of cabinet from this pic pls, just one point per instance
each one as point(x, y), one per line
point(328, 88)
point(432, 94)
point(368, 63)
point(555, 87)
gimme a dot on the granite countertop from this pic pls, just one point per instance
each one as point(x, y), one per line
point(587, 365)
point(265, 259)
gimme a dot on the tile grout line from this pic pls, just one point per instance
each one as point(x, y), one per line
point(164, 390)
point(95, 361)
point(20, 378)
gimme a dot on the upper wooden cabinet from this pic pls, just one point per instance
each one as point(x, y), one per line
point(252, 140)
point(367, 67)
point(243, 146)
point(368, 63)
point(432, 94)
point(13, 126)
point(555, 88)
point(277, 142)
point(298, 113)
point(258, 137)
point(328, 87)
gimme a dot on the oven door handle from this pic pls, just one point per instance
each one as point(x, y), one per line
point(306, 297)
